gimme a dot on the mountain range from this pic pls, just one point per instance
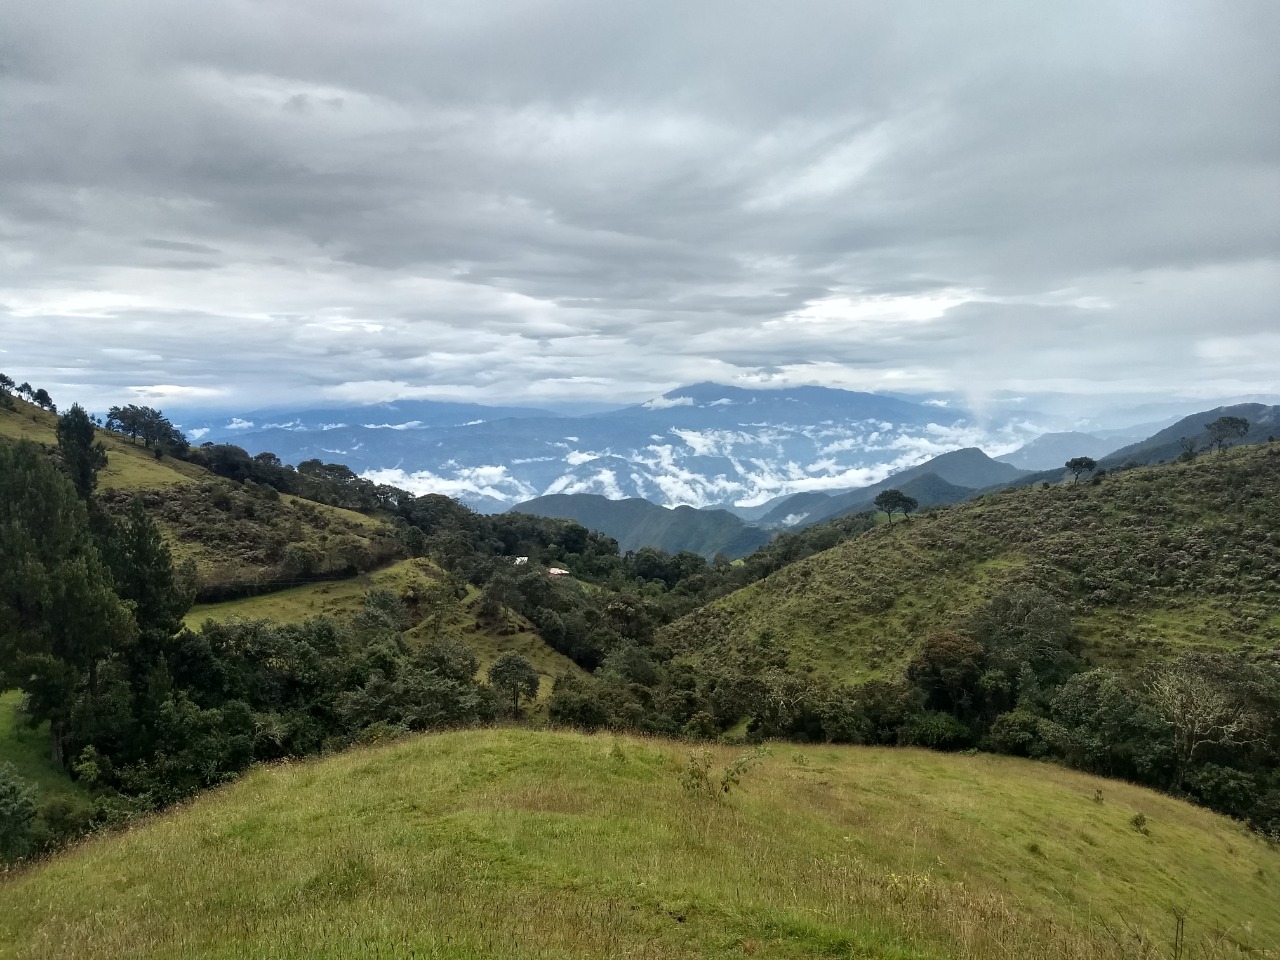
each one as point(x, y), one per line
point(750, 461)
point(704, 445)
point(637, 523)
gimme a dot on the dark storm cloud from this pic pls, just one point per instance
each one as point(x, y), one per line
point(288, 201)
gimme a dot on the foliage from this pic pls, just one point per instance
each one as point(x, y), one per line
point(151, 425)
point(892, 501)
point(59, 614)
point(82, 458)
point(1080, 465)
point(1225, 429)
point(513, 676)
point(698, 779)
point(17, 811)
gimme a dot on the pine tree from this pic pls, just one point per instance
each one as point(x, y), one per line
point(82, 458)
point(60, 617)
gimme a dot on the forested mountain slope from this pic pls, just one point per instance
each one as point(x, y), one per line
point(637, 523)
point(1152, 562)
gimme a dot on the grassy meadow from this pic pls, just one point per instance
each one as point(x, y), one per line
point(507, 843)
point(130, 466)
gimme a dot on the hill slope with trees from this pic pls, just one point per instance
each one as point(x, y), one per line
point(1152, 562)
point(637, 523)
point(1192, 435)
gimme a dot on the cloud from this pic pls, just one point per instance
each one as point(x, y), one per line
point(407, 425)
point(486, 481)
point(604, 482)
point(664, 403)
point(282, 205)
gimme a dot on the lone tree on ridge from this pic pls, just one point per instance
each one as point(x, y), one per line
point(1225, 429)
point(893, 500)
point(1079, 465)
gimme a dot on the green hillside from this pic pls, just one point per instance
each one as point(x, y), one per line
point(1263, 427)
point(516, 844)
point(130, 466)
point(637, 523)
point(1153, 562)
point(240, 538)
point(65, 806)
point(342, 599)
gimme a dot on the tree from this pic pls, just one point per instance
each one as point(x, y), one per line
point(42, 400)
point(60, 617)
point(499, 591)
point(946, 671)
point(1098, 724)
point(6, 389)
point(1198, 715)
point(1189, 449)
point(17, 810)
point(81, 457)
point(891, 501)
point(151, 425)
point(145, 576)
point(1024, 625)
point(513, 676)
point(1079, 465)
point(1225, 429)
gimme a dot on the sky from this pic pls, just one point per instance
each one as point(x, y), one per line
point(304, 202)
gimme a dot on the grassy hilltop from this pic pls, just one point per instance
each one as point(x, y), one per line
point(1153, 561)
point(516, 844)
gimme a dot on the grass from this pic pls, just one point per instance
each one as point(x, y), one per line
point(509, 843)
point(28, 750)
point(1154, 562)
point(130, 466)
point(333, 598)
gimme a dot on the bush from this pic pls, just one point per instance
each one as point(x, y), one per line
point(65, 819)
point(17, 812)
point(576, 702)
point(937, 730)
point(1017, 733)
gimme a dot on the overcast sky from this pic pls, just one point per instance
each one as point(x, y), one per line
point(241, 203)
